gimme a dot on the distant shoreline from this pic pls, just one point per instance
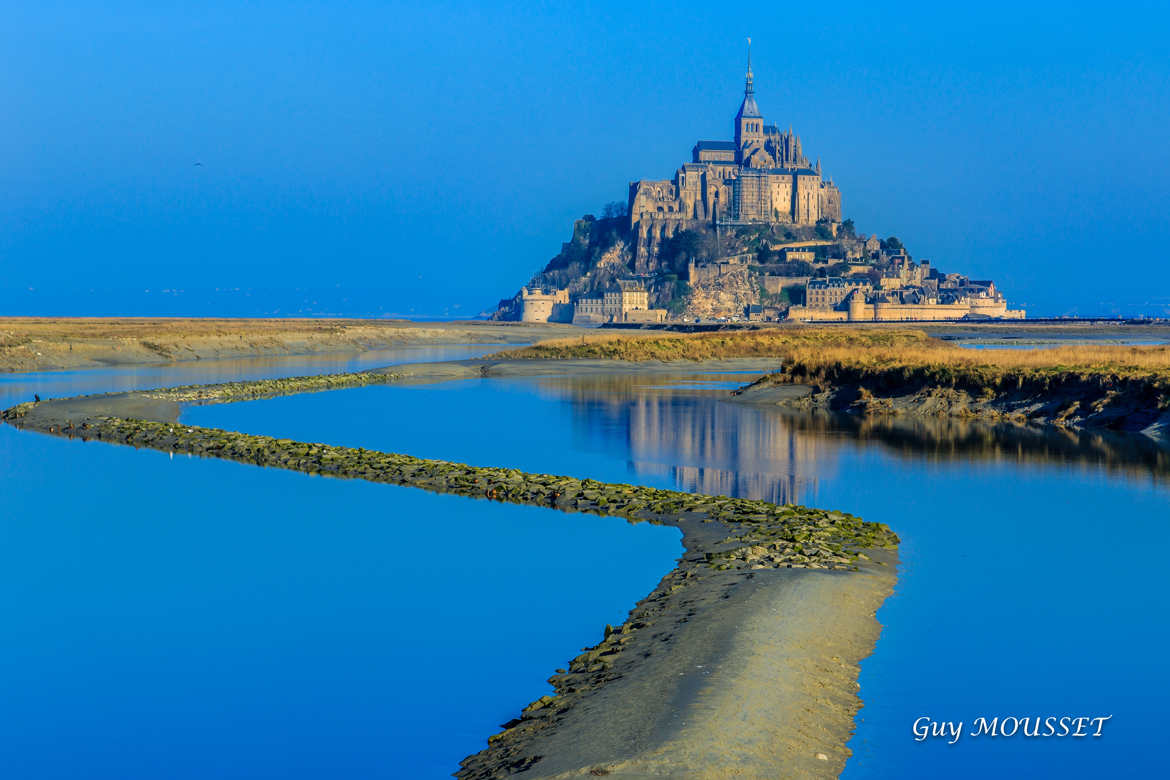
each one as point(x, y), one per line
point(1089, 384)
point(1044, 324)
point(54, 344)
point(49, 344)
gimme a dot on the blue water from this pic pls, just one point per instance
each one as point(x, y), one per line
point(15, 388)
point(1031, 580)
point(483, 422)
point(191, 618)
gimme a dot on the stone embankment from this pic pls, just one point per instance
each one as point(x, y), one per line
point(227, 392)
point(1074, 399)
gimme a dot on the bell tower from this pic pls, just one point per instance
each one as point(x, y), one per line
point(749, 124)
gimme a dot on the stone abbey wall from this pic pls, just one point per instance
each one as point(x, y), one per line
point(762, 176)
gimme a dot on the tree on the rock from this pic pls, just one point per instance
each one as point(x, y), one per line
point(613, 209)
point(684, 246)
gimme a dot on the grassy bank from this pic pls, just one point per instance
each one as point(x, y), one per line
point(944, 364)
point(877, 349)
point(665, 346)
point(896, 370)
point(1087, 386)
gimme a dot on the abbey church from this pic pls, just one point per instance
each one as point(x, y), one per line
point(761, 176)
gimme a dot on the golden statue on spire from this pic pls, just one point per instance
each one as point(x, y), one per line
point(748, 88)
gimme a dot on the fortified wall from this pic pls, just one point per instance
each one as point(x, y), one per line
point(540, 305)
point(857, 308)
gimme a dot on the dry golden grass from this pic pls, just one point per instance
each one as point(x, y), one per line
point(933, 353)
point(665, 346)
point(868, 349)
point(1114, 385)
point(56, 329)
point(38, 343)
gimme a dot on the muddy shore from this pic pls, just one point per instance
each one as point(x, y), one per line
point(1078, 401)
point(44, 343)
point(41, 344)
point(742, 662)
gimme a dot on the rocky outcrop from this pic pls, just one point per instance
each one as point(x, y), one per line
point(597, 254)
point(726, 295)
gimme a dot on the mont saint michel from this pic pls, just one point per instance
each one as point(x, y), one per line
point(750, 229)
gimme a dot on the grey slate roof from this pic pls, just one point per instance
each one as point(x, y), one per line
point(749, 108)
point(720, 146)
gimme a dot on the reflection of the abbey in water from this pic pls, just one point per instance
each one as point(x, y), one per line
point(710, 444)
point(700, 442)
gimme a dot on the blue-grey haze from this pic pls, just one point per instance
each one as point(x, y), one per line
point(425, 159)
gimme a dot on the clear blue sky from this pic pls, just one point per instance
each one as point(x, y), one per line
point(426, 158)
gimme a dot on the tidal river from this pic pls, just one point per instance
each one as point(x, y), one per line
point(189, 618)
point(1031, 581)
point(194, 618)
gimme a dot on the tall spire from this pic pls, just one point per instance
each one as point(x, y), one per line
point(748, 89)
point(749, 108)
point(749, 125)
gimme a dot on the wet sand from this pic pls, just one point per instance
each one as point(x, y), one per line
point(40, 343)
point(760, 682)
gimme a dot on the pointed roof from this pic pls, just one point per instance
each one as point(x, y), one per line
point(748, 107)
